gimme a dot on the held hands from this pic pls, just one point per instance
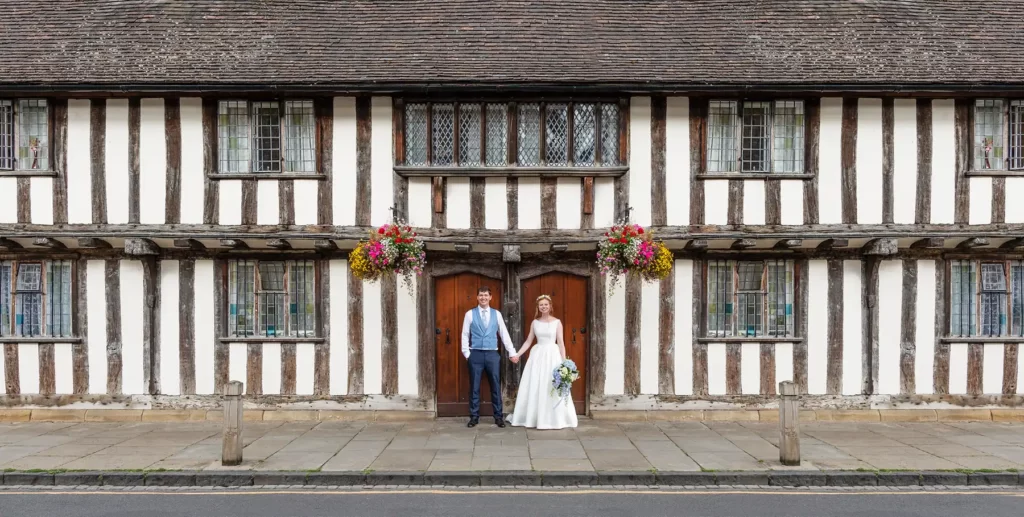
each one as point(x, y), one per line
point(514, 358)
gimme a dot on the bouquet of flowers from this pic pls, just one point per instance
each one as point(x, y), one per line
point(391, 249)
point(563, 377)
point(628, 249)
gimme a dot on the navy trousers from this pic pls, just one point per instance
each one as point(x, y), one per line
point(489, 362)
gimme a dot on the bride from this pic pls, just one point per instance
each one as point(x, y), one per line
point(537, 406)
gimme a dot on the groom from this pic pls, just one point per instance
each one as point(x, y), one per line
point(480, 329)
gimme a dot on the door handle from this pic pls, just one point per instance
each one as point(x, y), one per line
point(447, 337)
point(583, 330)
point(574, 335)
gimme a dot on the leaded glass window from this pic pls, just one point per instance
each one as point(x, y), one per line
point(271, 298)
point(750, 298)
point(755, 136)
point(988, 134)
point(1017, 135)
point(24, 135)
point(986, 298)
point(476, 134)
point(266, 136)
point(35, 298)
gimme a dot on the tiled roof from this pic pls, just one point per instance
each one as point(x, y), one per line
point(622, 43)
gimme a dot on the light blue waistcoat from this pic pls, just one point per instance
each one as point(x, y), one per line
point(484, 338)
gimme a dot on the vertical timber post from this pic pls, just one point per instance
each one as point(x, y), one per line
point(232, 452)
point(789, 424)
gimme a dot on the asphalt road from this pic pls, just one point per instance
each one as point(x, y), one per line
point(499, 503)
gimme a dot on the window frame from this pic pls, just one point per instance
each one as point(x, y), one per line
point(1006, 140)
point(772, 102)
point(16, 170)
point(318, 171)
point(511, 167)
point(1011, 329)
point(225, 333)
point(8, 329)
point(731, 332)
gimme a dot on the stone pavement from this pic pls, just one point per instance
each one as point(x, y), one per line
point(447, 446)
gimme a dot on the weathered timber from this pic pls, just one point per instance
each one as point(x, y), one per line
point(279, 244)
point(512, 314)
point(767, 367)
point(12, 377)
point(1014, 243)
point(789, 424)
point(632, 335)
point(849, 159)
point(399, 183)
point(48, 242)
point(93, 243)
point(186, 327)
point(512, 198)
point(788, 244)
point(322, 350)
point(598, 328)
point(510, 253)
point(743, 244)
point(733, 372)
point(151, 324)
point(134, 168)
point(929, 243)
point(666, 335)
point(355, 335)
point(24, 200)
point(286, 201)
point(869, 323)
point(888, 169)
point(439, 195)
point(697, 245)
point(962, 143)
point(172, 133)
point(249, 202)
point(221, 355)
point(235, 244)
point(425, 337)
point(999, 200)
point(834, 374)
point(700, 349)
point(324, 108)
point(621, 195)
point(772, 202)
point(883, 247)
point(812, 123)
point(112, 272)
point(8, 244)
point(940, 369)
point(47, 369)
point(254, 369)
point(477, 202)
point(1010, 361)
point(211, 188)
point(363, 136)
point(659, 196)
point(389, 335)
point(136, 246)
point(800, 347)
point(325, 245)
point(59, 118)
point(587, 219)
point(288, 368)
point(908, 329)
point(735, 208)
point(698, 113)
point(972, 242)
point(191, 244)
point(828, 244)
point(97, 159)
point(922, 210)
point(975, 366)
point(231, 449)
point(80, 350)
point(548, 203)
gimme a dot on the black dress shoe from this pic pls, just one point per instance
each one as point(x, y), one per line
point(499, 423)
point(473, 422)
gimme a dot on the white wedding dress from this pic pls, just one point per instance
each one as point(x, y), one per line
point(536, 405)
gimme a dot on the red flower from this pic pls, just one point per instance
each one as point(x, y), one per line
point(641, 230)
point(380, 231)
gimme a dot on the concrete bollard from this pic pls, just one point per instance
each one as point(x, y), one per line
point(789, 424)
point(232, 452)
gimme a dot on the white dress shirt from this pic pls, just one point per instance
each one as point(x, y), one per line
point(485, 317)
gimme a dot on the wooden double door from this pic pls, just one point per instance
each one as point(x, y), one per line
point(456, 294)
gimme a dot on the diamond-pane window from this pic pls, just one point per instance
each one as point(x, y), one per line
point(497, 135)
point(584, 137)
point(556, 134)
point(271, 298)
point(469, 135)
point(443, 135)
point(416, 134)
point(529, 135)
point(610, 134)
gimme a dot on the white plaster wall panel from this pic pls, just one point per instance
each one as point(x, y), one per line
point(830, 164)
point(115, 161)
point(568, 209)
point(783, 363)
point(339, 327)
point(268, 202)
point(204, 327)
point(529, 203)
point(8, 200)
point(152, 161)
point(343, 147)
point(1014, 208)
point(852, 330)
point(604, 202)
point(28, 367)
point(230, 209)
point(750, 368)
point(495, 203)
point(924, 336)
point(170, 360)
point(958, 368)
point(192, 168)
point(640, 159)
point(869, 161)
point(792, 201)
point(1020, 371)
point(677, 161)
point(3, 376)
point(904, 160)
point(305, 354)
point(649, 315)
point(753, 202)
point(41, 199)
point(306, 201)
point(420, 202)
point(408, 356)
point(372, 336)
point(890, 318)
point(716, 202)
point(272, 369)
point(381, 161)
point(132, 301)
point(943, 161)
point(63, 368)
point(79, 160)
point(238, 359)
point(981, 201)
point(683, 341)
point(992, 369)
point(458, 206)
point(615, 339)
point(716, 369)
point(817, 327)
point(96, 315)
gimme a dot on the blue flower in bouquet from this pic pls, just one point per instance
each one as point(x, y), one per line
point(562, 378)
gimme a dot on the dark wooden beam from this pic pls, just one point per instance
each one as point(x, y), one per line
point(828, 244)
point(1017, 242)
point(92, 242)
point(697, 245)
point(511, 253)
point(325, 245)
point(743, 244)
point(973, 242)
point(279, 244)
point(136, 246)
point(8, 244)
point(235, 244)
point(883, 247)
point(48, 242)
point(189, 243)
point(788, 244)
point(930, 242)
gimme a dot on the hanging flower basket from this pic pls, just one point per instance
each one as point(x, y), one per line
point(393, 249)
point(629, 250)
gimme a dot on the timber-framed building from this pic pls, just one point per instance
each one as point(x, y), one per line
point(842, 184)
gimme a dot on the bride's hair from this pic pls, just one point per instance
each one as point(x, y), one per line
point(536, 314)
